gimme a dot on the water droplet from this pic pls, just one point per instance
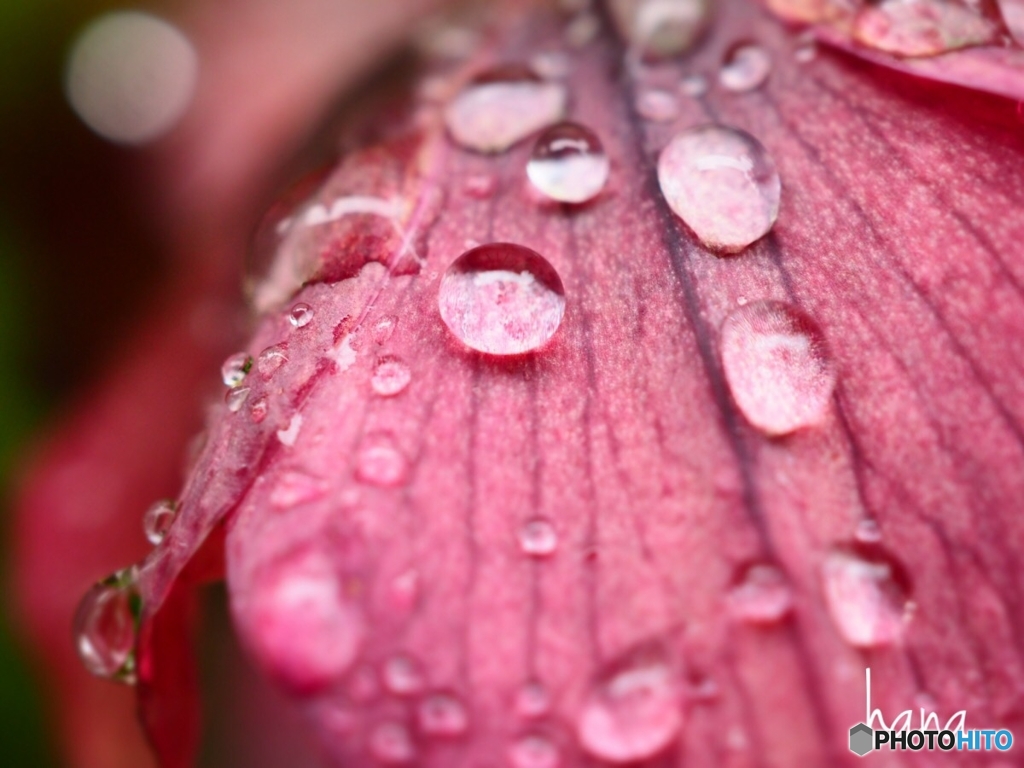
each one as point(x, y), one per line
point(235, 398)
point(390, 377)
point(778, 366)
point(868, 532)
point(502, 299)
point(745, 67)
point(290, 434)
point(866, 594)
point(384, 328)
point(403, 676)
point(660, 29)
point(270, 360)
point(633, 712)
point(502, 107)
point(258, 410)
point(442, 714)
point(533, 699)
point(534, 751)
point(106, 624)
point(657, 105)
point(235, 369)
point(694, 85)
point(391, 743)
point(158, 520)
point(926, 27)
point(761, 596)
point(722, 183)
point(300, 315)
point(551, 65)
point(379, 462)
point(806, 52)
point(538, 538)
point(568, 163)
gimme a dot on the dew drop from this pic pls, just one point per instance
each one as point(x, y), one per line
point(384, 329)
point(778, 366)
point(657, 105)
point(722, 183)
point(379, 462)
point(442, 714)
point(300, 315)
point(270, 361)
point(258, 410)
point(538, 538)
point(403, 676)
point(533, 699)
point(502, 107)
point(633, 712)
point(694, 85)
point(660, 29)
point(568, 164)
point(106, 625)
point(745, 67)
point(391, 743)
point(925, 27)
point(866, 595)
point(534, 751)
point(235, 369)
point(502, 299)
point(158, 520)
point(235, 398)
point(761, 596)
point(390, 377)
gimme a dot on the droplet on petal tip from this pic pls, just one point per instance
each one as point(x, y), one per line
point(106, 626)
point(158, 520)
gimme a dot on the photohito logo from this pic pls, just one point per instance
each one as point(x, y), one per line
point(875, 734)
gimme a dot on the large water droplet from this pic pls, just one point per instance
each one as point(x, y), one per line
point(502, 107)
point(722, 183)
point(866, 594)
point(403, 676)
point(568, 164)
point(745, 67)
point(235, 369)
point(926, 27)
point(534, 751)
point(270, 360)
point(761, 596)
point(633, 712)
point(158, 520)
point(538, 538)
point(391, 743)
point(657, 105)
point(442, 714)
point(502, 299)
point(106, 625)
point(532, 699)
point(390, 377)
point(778, 366)
point(300, 315)
point(379, 461)
point(661, 28)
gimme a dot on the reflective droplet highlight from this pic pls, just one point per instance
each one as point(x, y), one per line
point(868, 532)
point(442, 714)
point(390, 377)
point(746, 66)
point(106, 626)
point(403, 676)
point(633, 712)
point(568, 164)
point(694, 85)
point(657, 105)
point(300, 315)
point(502, 107)
point(778, 366)
point(538, 538)
point(502, 299)
point(158, 520)
point(761, 596)
point(659, 29)
point(866, 594)
point(534, 751)
point(270, 361)
point(379, 462)
point(235, 398)
point(391, 744)
point(722, 183)
point(235, 369)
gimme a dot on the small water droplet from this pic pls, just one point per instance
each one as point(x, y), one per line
point(926, 27)
point(442, 714)
point(290, 434)
point(694, 85)
point(778, 366)
point(533, 699)
point(660, 29)
point(235, 398)
point(384, 328)
point(534, 751)
point(657, 105)
point(633, 712)
point(568, 163)
point(868, 532)
point(258, 410)
point(270, 360)
point(502, 107)
point(106, 625)
point(502, 299)
point(761, 596)
point(806, 52)
point(235, 369)
point(551, 65)
point(866, 594)
point(379, 462)
point(158, 520)
point(538, 538)
point(745, 67)
point(300, 315)
point(403, 676)
point(722, 183)
point(391, 743)
point(390, 377)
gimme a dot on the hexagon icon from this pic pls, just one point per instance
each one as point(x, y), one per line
point(861, 739)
